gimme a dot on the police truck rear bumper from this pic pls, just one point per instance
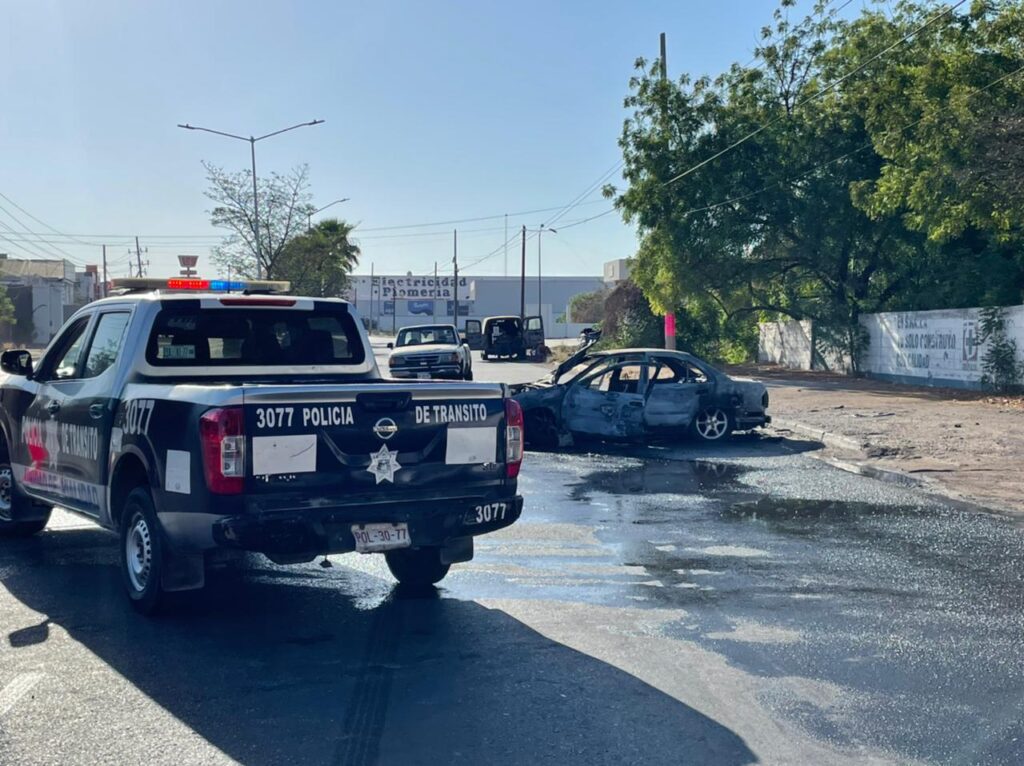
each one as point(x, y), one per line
point(329, 530)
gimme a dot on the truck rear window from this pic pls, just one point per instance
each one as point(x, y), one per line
point(187, 337)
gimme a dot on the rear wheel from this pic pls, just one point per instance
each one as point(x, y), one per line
point(14, 505)
point(142, 551)
point(417, 568)
point(483, 355)
point(712, 424)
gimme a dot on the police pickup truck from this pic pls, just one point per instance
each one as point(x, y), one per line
point(190, 415)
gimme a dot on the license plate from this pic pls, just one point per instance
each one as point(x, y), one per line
point(372, 538)
point(423, 375)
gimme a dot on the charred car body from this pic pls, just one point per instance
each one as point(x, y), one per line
point(638, 393)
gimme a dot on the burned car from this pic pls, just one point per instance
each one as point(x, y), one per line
point(638, 393)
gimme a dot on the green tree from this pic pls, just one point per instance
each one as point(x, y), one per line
point(6, 309)
point(319, 262)
point(588, 307)
point(284, 204)
point(629, 321)
point(789, 187)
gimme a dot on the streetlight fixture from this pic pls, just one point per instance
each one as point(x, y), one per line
point(309, 218)
point(540, 232)
point(255, 193)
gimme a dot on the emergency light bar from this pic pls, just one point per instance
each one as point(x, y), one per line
point(136, 284)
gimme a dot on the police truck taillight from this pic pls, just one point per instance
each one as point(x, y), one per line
point(514, 437)
point(222, 433)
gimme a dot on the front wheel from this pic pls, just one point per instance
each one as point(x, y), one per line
point(13, 504)
point(712, 425)
point(142, 551)
point(468, 375)
point(417, 568)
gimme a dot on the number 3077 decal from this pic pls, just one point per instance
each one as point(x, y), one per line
point(488, 512)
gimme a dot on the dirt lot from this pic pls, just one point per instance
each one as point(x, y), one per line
point(969, 444)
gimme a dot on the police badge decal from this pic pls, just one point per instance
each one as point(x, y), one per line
point(383, 464)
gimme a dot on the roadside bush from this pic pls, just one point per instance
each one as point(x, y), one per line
point(999, 364)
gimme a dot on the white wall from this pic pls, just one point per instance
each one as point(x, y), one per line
point(785, 343)
point(932, 347)
point(47, 310)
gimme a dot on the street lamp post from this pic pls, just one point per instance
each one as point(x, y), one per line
point(309, 218)
point(540, 233)
point(255, 193)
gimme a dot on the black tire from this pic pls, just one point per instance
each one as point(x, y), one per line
point(712, 425)
point(142, 551)
point(483, 355)
point(468, 375)
point(541, 431)
point(521, 355)
point(417, 568)
point(14, 505)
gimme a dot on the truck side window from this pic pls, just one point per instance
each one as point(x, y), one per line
point(66, 357)
point(106, 343)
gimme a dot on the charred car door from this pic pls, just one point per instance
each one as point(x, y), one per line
point(675, 394)
point(608, 401)
point(474, 334)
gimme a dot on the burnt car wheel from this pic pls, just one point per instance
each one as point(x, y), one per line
point(417, 568)
point(12, 505)
point(712, 424)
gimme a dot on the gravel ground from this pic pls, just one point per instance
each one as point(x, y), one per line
point(967, 444)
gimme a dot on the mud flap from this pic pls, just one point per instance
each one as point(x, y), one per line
point(459, 549)
point(183, 571)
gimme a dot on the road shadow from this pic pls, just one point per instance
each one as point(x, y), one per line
point(302, 665)
point(738, 446)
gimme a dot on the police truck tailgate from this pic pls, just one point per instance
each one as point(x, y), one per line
point(362, 444)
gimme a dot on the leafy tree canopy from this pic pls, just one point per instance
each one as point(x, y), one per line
point(319, 262)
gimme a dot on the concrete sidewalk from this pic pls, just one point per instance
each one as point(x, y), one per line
point(967, 445)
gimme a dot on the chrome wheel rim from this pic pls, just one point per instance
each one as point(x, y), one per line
point(138, 550)
point(6, 492)
point(712, 424)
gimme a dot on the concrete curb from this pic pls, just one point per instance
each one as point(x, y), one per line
point(828, 438)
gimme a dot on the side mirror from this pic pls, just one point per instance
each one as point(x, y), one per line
point(465, 342)
point(391, 345)
point(16, 362)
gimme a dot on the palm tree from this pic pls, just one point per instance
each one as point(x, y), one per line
point(319, 262)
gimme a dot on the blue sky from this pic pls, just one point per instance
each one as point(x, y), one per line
point(434, 111)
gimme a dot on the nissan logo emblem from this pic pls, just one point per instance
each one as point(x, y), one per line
point(385, 428)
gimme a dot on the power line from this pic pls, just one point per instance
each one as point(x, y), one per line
point(813, 96)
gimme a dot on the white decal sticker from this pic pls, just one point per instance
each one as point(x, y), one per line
point(185, 351)
point(137, 414)
point(115, 440)
point(61, 485)
point(451, 413)
point(490, 512)
point(327, 416)
point(177, 474)
point(274, 417)
point(273, 455)
point(383, 464)
point(471, 445)
point(48, 439)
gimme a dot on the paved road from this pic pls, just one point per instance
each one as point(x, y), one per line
point(747, 604)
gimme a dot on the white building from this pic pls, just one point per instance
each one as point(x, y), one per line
point(403, 300)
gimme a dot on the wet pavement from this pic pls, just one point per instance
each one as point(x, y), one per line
point(748, 604)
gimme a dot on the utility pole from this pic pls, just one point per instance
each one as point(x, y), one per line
point(506, 244)
point(455, 262)
point(104, 271)
point(373, 321)
point(540, 236)
point(522, 280)
point(434, 302)
point(670, 317)
point(138, 256)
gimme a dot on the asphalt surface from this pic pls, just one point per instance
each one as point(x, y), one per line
point(654, 605)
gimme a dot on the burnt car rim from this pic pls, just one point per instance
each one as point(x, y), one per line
point(712, 424)
point(6, 493)
point(138, 551)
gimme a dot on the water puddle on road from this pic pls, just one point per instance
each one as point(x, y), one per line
point(660, 477)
